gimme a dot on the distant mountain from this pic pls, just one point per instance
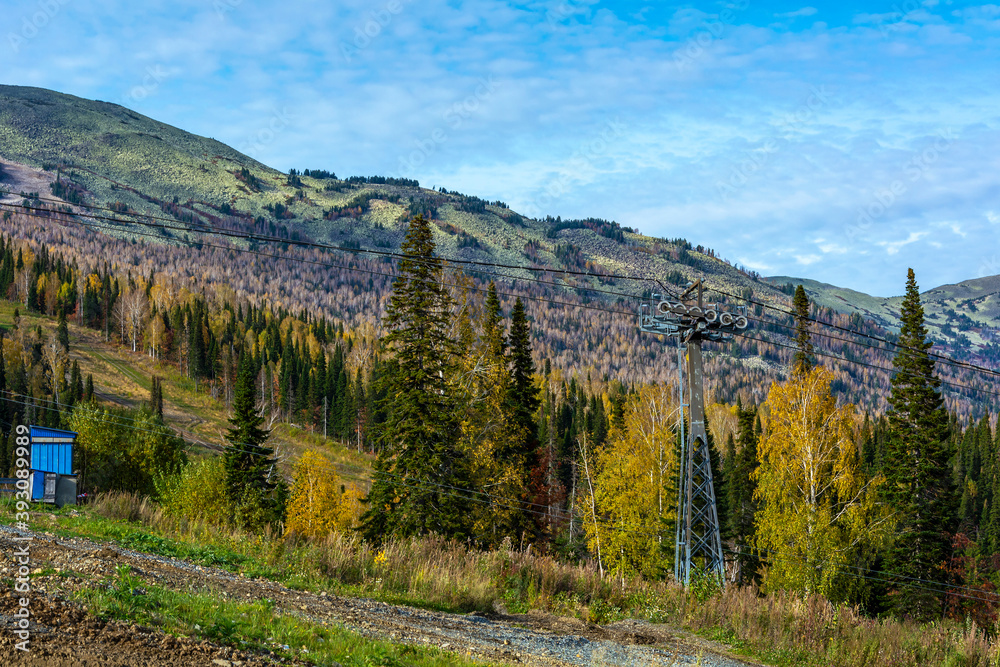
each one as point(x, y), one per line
point(961, 319)
point(96, 153)
point(115, 155)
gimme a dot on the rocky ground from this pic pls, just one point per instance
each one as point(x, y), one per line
point(64, 634)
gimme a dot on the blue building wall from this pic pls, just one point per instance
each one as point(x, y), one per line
point(52, 450)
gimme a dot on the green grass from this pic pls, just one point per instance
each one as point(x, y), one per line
point(251, 626)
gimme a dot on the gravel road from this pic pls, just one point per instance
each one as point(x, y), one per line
point(528, 639)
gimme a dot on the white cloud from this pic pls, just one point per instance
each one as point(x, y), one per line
point(755, 265)
point(893, 247)
point(805, 11)
point(692, 125)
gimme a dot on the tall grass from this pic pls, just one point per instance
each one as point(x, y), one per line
point(782, 628)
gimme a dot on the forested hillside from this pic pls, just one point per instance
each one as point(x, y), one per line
point(486, 369)
point(75, 155)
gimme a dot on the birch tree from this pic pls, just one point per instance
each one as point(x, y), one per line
point(635, 487)
point(820, 515)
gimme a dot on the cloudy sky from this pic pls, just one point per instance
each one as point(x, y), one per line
point(838, 141)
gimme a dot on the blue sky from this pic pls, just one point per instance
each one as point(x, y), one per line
point(837, 141)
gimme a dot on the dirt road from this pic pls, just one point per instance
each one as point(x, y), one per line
point(65, 635)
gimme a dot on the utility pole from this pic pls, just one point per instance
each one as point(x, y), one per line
point(698, 541)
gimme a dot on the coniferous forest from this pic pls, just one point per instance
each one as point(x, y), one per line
point(477, 435)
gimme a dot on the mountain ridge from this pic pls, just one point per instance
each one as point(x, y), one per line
point(98, 153)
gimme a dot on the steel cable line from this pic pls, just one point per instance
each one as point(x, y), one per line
point(849, 342)
point(542, 300)
point(255, 237)
point(313, 244)
point(941, 357)
point(205, 229)
point(861, 363)
point(948, 363)
point(99, 226)
point(547, 301)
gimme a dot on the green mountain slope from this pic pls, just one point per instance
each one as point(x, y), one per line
point(961, 318)
point(96, 153)
point(116, 155)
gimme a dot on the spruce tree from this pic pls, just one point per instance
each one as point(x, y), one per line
point(917, 471)
point(740, 488)
point(524, 393)
point(75, 383)
point(247, 458)
point(62, 331)
point(420, 475)
point(804, 359)
point(5, 412)
point(156, 396)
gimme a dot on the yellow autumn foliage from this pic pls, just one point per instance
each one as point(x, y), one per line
point(320, 503)
point(635, 493)
point(820, 513)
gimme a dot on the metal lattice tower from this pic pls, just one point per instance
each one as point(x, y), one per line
point(698, 542)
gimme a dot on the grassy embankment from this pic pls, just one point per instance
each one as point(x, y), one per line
point(250, 626)
point(780, 629)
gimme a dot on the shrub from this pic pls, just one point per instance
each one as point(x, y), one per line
point(197, 492)
point(123, 450)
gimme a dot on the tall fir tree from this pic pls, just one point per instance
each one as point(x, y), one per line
point(917, 471)
point(523, 392)
point(4, 411)
point(420, 473)
point(741, 462)
point(247, 457)
point(804, 359)
point(62, 332)
point(156, 396)
point(76, 382)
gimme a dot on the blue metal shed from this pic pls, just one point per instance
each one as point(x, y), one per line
point(52, 450)
point(52, 479)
